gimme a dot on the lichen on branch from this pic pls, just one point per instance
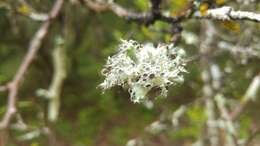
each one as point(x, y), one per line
point(228, 13)
point(142, 69)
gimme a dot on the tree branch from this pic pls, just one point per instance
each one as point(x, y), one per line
point(229, 125)
point(250, 95)
point(222, 13)
point(13, 86)
point(228, 13)
point(60, 72)
point(146, 18)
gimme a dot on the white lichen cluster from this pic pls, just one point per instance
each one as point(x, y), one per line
point(142, 69)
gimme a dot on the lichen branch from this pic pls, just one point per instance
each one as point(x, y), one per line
point(54, 92)
point(228, 13)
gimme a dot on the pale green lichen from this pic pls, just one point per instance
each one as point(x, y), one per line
point(144, 68)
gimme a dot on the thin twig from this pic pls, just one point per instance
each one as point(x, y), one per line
point(252, 136)
point(32, 13)
point(250, 95)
